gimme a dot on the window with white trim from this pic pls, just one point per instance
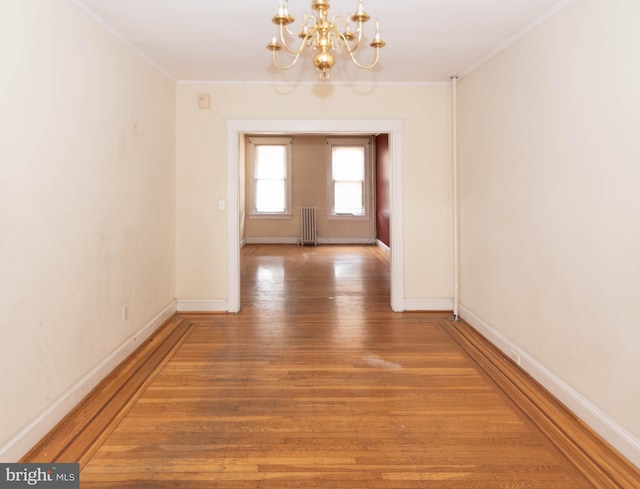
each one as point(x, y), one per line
point(349, 177)
point(271, 190)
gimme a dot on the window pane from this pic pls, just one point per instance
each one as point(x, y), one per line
point(348, 198)
point(270, 162)
point(348, 163)
point(348, 174)
point(270, 178)
point(270, 196)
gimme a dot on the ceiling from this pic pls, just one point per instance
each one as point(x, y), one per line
point(218, 41)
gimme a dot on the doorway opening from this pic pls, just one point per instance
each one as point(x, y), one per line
point(236, 129)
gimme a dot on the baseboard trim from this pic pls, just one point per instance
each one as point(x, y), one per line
point(612, 432)
point(31, 434)
point(199, 305)
point(272, 240)
point(324, 241)
point(82, 432)
point(428, 304)
point(347, 241)
point(383, 246)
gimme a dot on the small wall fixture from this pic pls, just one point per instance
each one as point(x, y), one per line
point(323, 36)
point(204, 101)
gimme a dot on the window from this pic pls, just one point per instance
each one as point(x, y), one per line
point(348, 189)
point(271, 179)
point(271, 159)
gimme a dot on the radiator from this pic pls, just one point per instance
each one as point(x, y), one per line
point(308, 226)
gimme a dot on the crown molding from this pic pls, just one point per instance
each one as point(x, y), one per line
point(105, 25)
point(311, 83)
point(517, 36)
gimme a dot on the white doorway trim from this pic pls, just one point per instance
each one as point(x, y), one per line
point(237, 127)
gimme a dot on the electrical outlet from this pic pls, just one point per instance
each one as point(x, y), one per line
point(125, 313)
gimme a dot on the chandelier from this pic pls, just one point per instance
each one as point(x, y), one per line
point(322, 36)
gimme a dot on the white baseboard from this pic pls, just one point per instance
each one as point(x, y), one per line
point(617, 436)
point(383, 246)
point(198, 305)
point(347, 241)
point(31, 434)
point(289, 240)
point(428, 304)
point(272, 240)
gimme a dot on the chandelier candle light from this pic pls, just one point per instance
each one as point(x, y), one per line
point(322, 36)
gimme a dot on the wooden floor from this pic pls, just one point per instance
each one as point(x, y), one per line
point(317, 384)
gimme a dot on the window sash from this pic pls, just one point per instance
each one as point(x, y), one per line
point(348, 197)
point(271, 162)
point(348, 179)
point(270, 196)
point(271, 178)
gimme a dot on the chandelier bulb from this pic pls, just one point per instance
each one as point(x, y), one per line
point(274, 45)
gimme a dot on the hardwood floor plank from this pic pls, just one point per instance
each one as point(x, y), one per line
point(598, 461)
point(316, 383)
point(77, 436)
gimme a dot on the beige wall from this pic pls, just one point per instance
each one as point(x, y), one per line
point(310, 188)
point(201, 161)
point(550, 206)
point(87, 193)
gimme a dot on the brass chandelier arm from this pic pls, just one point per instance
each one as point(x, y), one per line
point(283, 42)
point(377, 43)
point(295, 59)
point(305, 24)
point(281, 67)
point(347, 36)
point(365, 67)
point(350, 43)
